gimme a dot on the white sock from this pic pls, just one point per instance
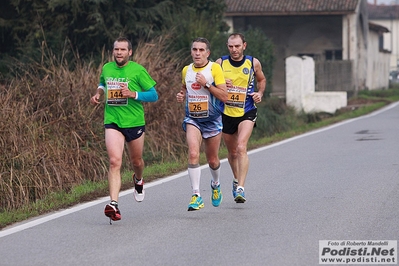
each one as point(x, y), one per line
point(194, 173)
point(215, 176)
point(238, 187)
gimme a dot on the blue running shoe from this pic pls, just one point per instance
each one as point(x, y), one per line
point(196, 203)
point(240, 196)
point(217, 196)
point(235, 184)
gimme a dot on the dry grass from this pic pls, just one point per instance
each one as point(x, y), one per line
point(51, 138)
point(164, 136)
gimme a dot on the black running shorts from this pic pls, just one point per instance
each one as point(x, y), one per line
point(230, 124)
point(130, 133)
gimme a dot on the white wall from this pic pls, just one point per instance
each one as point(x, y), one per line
point(301, 95)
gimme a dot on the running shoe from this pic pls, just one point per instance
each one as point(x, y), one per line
point(196, 203)
point(240, 196)
point(235, 184)
point(138, 191)
point(112, 211)
point(217, 196)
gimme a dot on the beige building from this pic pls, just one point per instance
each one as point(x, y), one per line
point(388, 16)
point(378, 62)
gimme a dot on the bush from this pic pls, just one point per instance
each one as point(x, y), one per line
point(274, 116)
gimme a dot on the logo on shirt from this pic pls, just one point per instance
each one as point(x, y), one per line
point(245, 71)
point(196, 86)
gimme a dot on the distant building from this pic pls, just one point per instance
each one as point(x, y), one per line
point(377, 58)
point(388, 16)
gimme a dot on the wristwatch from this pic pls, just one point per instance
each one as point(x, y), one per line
point(207, 85)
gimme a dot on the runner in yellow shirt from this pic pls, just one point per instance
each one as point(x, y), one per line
point(239, 111)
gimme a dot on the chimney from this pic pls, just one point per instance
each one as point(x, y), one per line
point(375, 2)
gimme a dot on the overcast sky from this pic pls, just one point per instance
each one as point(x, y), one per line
point(385, 2)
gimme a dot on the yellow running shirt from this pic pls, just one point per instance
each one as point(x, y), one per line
point(242, 76)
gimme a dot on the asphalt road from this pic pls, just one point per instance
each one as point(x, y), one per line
point(337, 183)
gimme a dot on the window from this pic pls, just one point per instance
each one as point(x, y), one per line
point(333, 54)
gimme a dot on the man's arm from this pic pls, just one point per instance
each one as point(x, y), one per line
point(260, 77)
point(181, 94)
point(219, 90)
point(150, 95)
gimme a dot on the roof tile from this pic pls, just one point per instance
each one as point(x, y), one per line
point(383, 12)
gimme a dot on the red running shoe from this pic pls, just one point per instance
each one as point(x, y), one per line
point(112, 211)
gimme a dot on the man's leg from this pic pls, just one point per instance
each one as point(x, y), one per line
point(114, 141)
point(194, 140)
point(230, 141)
point(243, 134)
point(135, 149)
point(212, 146)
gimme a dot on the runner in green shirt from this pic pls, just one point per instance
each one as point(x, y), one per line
point(124, 85)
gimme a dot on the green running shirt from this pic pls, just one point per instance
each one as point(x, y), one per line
point(125, 112)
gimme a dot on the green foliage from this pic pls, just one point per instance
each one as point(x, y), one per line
point(379, 93)
point(89, 27)
point(261, 47)
point(214, 10)
point(192, 23)
point(274, 116)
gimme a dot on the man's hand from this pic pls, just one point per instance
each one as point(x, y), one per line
point(229, 83)
point(200, 78)
point(126, 92)
point(257, 96)
point(95, 99)
point(180, 96)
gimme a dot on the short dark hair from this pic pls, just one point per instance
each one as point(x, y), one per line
point(237, 34)
point(124, 39)
point(203, 40)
